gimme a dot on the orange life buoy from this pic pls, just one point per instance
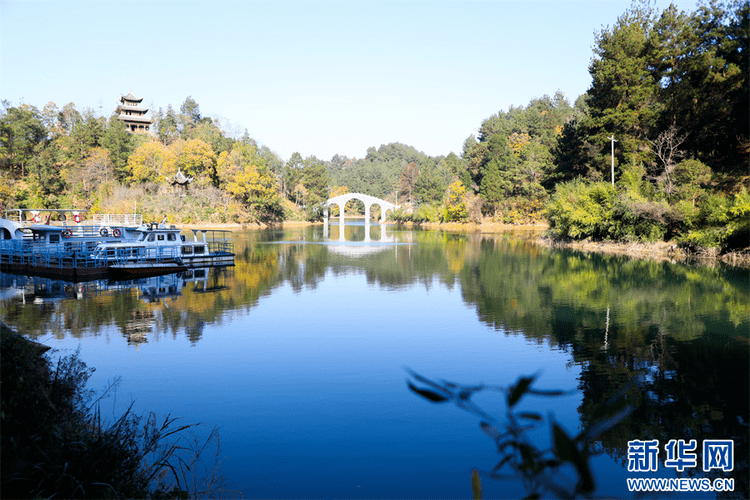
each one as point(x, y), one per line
point(77, 218)
point(103, 231)
point(37, 218)
point(117, 233)
point(67, 233)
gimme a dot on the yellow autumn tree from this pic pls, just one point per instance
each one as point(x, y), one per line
point(455, 207)
point(196, 159)
point(257, 189)
point(232, 163)
point(151, 161)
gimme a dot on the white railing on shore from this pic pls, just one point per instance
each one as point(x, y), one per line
point(118, 219)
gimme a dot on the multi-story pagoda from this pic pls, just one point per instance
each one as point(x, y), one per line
point(133, 115)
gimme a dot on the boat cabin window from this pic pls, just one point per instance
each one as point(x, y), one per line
point(160, 237)
point(54, 238)
point(199, 249)
point(182, 237)
point(186, 250)
point(150, 237)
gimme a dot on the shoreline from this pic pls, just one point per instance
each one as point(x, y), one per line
point(661, 251)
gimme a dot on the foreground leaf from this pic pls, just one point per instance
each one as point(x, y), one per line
point(427, 394)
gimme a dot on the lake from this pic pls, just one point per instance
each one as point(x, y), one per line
point(300, 355)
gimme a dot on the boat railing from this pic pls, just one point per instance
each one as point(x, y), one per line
point(60, 255)
point(140, 255)
point(70, 218)
point(80, 254)
point(134, 220)
point(216, 239)
point(220, 247)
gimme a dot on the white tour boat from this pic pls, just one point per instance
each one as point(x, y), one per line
point(159, 247)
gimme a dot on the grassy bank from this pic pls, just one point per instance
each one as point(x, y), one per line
point(669, 251)
point(57, 444)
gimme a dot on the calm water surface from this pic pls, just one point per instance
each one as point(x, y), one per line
point(299, 354)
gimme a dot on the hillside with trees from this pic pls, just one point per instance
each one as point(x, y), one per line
point(667, 112)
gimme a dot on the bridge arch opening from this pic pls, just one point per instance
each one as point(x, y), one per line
point(367, 201)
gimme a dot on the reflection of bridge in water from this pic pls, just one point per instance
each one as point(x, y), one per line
point(356, 250)
point(369, 201)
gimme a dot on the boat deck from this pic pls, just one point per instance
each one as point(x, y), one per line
point(74, 260)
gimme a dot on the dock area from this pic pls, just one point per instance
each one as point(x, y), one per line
point(66, 260)
point(74, 261)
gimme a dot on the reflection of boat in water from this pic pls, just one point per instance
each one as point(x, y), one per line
point(138, 325)
point(151, 289)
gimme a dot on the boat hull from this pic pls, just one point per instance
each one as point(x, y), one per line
point(140, 270)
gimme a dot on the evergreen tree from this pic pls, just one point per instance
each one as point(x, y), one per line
point(315, 179)
point(21, 132)
point(120, 143)
point(493, 185)
point(624, 93)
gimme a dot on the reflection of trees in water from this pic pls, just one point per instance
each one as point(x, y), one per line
point(679, 332)
point(141, 310)
point(674, 328)
point(683, 390)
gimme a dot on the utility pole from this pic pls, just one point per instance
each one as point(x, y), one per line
point(612, 139)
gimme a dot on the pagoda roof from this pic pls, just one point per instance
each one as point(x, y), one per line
point(135, 118)
point(131, 97)
point(132, 108)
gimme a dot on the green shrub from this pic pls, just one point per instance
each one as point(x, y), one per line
point(522, 211)
point(722, 222)
point(639, 220)
point(580, 210)
point(426, 213)
point(399, 216)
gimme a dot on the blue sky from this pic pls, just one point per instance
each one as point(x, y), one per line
point(316, 77)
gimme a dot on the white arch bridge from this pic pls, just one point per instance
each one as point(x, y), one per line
point(368, 200)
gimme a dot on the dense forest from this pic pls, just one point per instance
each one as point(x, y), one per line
point(657, 148)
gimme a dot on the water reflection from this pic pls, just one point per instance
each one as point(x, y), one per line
point(679, 331)
point(140, 308)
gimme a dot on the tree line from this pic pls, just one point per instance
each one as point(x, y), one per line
point(657, 148)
